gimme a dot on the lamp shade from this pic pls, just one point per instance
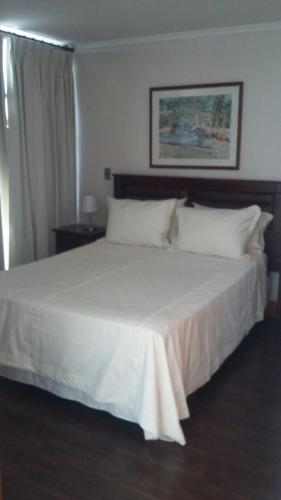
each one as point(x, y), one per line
point(89, 204)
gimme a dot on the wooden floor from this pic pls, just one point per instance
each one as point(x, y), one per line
point(54, 449)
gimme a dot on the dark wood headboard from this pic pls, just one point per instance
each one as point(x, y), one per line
point(224, 193)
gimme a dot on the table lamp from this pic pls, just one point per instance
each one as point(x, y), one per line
point(89, 206)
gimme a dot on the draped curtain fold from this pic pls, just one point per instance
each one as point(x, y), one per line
point(41, 147)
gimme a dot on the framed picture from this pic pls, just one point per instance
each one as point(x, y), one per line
point(196, 126)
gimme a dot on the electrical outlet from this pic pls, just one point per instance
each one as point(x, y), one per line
point(107, 174)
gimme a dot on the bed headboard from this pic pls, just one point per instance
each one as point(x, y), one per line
point(223, 193)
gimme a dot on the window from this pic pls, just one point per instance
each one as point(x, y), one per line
point(4, 183)
point(5, 69)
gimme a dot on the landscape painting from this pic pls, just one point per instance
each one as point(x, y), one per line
point(196, 126)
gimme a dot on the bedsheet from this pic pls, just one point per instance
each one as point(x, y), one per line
point(130, 330)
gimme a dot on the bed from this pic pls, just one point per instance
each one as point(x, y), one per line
point(77, 325)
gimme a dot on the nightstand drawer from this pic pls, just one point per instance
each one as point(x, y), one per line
point(70, 237)
point(67, 241)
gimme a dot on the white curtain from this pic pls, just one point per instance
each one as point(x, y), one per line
point(3, 165)
point(41, 147)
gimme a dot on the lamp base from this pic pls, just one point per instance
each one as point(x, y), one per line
point(90, 225)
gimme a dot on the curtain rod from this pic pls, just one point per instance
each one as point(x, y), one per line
point(65, 47)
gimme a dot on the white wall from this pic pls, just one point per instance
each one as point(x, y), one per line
point(113, 90)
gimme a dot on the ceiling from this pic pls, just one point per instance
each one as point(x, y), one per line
point(84, 21)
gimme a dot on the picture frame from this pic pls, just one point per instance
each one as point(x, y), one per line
point(196, 126)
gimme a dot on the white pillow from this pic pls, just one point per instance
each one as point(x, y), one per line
point(174, 222)
point(257, 239)
point(134, 222)
point(218, 232)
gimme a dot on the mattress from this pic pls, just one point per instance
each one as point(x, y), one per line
point(126, 329)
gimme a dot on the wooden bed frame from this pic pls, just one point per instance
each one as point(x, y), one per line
point(223, 193)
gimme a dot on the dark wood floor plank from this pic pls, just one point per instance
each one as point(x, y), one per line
point(52, 449)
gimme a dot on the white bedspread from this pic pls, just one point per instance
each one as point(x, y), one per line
point(130, 330)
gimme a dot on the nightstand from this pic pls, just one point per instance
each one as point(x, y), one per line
point(69, 237)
